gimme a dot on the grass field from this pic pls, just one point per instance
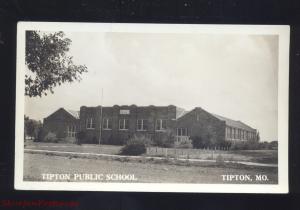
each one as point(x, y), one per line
point(259, 156)
point(91, 148)
point(36, 164)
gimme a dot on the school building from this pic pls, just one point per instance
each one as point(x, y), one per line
point(117, 124)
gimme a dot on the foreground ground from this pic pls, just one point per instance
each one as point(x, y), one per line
point(258, 156)
point(150, 171)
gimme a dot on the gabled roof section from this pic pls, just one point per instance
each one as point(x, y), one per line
point(75, 114)
point(234, 123)
point(180, 112)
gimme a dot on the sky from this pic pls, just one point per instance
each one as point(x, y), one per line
point(233, 75)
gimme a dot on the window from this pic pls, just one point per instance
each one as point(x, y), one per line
point(142, 125)
point(227, 132)
point(106, 124)
point(123, 124)
point(161, 125)
point(90, 124)
point(124, 111)
point(182, 132)
point(71, 131)
point(235, 133)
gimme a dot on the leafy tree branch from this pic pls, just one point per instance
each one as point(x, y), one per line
point(48, 63)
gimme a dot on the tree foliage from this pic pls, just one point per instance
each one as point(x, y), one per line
point(32, 127)
point(48, 63)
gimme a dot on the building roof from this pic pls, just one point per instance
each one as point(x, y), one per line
point(234, 123)
point(73, 113)
point(180, 112)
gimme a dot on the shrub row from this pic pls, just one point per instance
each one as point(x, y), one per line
point(136, 145)
point(253, 145)
point(199, 143)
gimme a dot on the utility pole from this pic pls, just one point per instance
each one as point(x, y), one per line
point(101, 103)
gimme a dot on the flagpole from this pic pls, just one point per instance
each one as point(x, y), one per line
point(100, 131)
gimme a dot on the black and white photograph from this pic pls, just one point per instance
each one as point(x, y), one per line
point(152, 107)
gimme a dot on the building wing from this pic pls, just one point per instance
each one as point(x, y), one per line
point(234, 123)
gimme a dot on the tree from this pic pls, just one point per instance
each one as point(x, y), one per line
point(274, 144)
point(257, 137)
point(32, 127)
point(49, 65)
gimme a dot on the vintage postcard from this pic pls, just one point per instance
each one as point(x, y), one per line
point(152, 107)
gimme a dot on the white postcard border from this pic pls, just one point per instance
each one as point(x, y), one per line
point(283, 83)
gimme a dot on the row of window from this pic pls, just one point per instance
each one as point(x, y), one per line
point(235, 133)
point(71, 131)
point(123, 125)
point(142, 124)
point(181, 132)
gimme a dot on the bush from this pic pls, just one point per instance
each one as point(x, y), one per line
point(144, 139)
point(44, 135)
point(50, 137)
point(41, 135)
point(274, 145)
point(250, 145)
point(167, 142)
point(224, 145)
point(164, 139)
point(238, 146)
point(160, 141)
point(83, 137)
point(80, 137)
point(198, 142)
point(185, 144)
point(135, 146)
point(220, 159)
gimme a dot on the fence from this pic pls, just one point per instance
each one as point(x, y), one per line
point(205, 153)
